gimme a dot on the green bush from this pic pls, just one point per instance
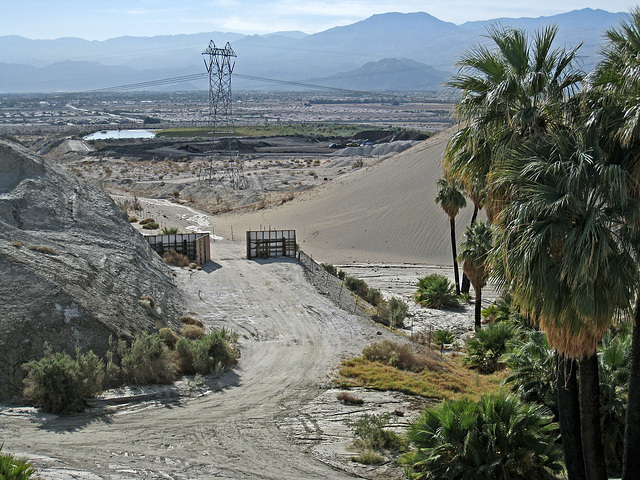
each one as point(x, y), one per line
point(371, 435)
point(211, 353)
point(58, 383)
point(144, 361)
point(399, 310)
point(357, 286)
point(498, 437)
point(12, 468)
point(485, 349)
point(151, 226)
point(436, 291)
point(373, 296)
point(330, 268)
point(170, 230)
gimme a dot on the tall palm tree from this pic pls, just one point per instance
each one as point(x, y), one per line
point(451, 200)
point(475, 250)
point(514, 89)
point(615, 103)
point(563, 250)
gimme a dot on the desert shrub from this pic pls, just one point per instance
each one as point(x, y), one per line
point(59, 383)
point(147, 220)
point(149, 300)
point(150, 226)
point(436, 291)
point(174, 258)
point(169, 337)
point(43, 249)
point(396, 355)
point(498, 437)
point(13, 468)
point(145, 361)
point(192, 331)
point(370, 433)
point(399, 310)
point(170, 230)
point(341, 274)
point(16, 244)
point(213, 352)
point(485, 349)
point(193, 265)
point(348, 399)
point(357, 286)
point(330, 268)
point(132, 219)
point(187, 320)
point(368, 457)
point(373, 296)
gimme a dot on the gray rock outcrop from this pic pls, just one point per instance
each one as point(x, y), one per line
point(72, 269)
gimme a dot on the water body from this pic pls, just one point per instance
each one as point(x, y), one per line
point(117, 134)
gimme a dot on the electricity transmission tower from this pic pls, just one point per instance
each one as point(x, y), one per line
point(220, 63)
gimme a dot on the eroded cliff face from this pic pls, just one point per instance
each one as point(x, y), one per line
point(72, 269)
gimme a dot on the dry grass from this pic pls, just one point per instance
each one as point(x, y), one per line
point(17, 244)
point(43, 249)
point(192, 331)
point(348, 399)
point(187, 320)
point(449, 380)
point(176, 259)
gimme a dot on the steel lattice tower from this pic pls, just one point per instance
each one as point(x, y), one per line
point(219, 63)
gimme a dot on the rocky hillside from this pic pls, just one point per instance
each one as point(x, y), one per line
point(72, 269)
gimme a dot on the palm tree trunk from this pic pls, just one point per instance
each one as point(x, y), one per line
point(478, 309)
point(569, 417)
point(456, 274)
point(590, 419)
point(631, 454)
point(466, 284)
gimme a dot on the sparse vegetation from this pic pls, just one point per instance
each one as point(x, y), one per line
point(151, 226)
point(43, 249)
point(170, 230)
point(17, 244)
point(349, 399)
point(60, 383)
point(371, 435)
point(187, 320)
point(174, 258)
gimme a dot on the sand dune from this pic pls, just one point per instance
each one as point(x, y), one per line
point(382, 213)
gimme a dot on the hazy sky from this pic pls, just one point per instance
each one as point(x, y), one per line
point(99, 20)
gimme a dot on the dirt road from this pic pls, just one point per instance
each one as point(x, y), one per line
point(290, 339)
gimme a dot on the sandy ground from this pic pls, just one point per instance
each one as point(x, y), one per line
point(256, 425)
point(276, 415)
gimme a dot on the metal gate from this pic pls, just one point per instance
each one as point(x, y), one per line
point(271, 243)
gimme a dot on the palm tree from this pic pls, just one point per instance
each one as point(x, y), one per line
point(514, 89)
point(475, 249)
point(451, 200)
point(498, 437)
point(563, 250)
point(614, 94)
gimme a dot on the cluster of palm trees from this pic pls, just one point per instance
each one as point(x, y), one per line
point(553, 155)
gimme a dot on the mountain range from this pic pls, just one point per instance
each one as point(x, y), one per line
point(391, 51)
